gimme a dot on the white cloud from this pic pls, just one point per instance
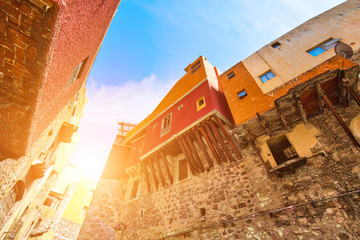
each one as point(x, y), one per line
point(131, 101)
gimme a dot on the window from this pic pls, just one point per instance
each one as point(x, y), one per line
point(195, 67)
point(231, 75)
point(52, 202)
point(242, 94)
point(329, 44)
point(281, 149)
point(275, 45)
point(84, 210)
point(166, 124)
point(267, 76)
point(183, 169)
point(134, 189)
point(200, 103)
point(76, 73)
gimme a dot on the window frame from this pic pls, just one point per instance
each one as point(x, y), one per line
point(275, 45)
point(165, 129)
point(200, 106)
point(265, 75)
point(242, 91)
point(231, 75)
point(323, 47)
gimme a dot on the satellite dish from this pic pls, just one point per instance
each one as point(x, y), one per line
point(344, 50)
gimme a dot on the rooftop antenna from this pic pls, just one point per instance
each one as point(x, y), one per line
point(344, 50)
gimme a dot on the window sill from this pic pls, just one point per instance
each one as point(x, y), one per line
point(289, 166)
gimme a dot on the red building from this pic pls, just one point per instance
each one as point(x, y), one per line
point(47, 49)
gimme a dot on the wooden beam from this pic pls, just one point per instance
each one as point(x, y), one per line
point(300, 109)
point(353, 93)
point(186, 156)
point(207, 139)
point(343, 94)
point(153, 173)
point(203, 147)
point(195, 155)
point(146, 176)
point(221, 140)
point(162, 179)
point(282, 118)
point(191, 157)
point(227, 136)
point(263, 124)
point(319, 96)
point(167, 168)
point(341, 121)
point(170, 150)
point(213, 140)
point(250, 134)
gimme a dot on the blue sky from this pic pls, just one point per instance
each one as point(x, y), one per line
point(150, 42)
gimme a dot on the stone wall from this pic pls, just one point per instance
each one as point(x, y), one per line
point(25, 31)
point(102, 219)
point(244, 199)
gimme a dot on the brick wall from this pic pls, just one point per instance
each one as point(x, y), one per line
point(243, 200)
point(25, 31)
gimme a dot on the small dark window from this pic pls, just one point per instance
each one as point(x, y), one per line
point(134, 189)
point(275, 45)
point(195, 67)
point(77, 71)
point(141, 213)
point(231, 75)
point(183, 170)
point(166, 124)
point(200, 103)
point(281, 149)
point(202, 212)
point(242, 94)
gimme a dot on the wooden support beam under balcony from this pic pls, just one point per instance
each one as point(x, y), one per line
point(187, 158)
point(227, 136)
point(353, 93)
point(144, 167)
point(320, 100)
point(263, 123)
point(221, 140)
point(208, 141)
point(166, 164)
point(282, 117)
point(194, 153)
point(153, 173)
point(342, 91)
point(191, 157)
point(203, 147)
point(158, 166)
point(300, 109)
point(214, 142)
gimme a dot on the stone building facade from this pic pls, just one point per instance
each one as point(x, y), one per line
point(46, 51)
point(283, 165)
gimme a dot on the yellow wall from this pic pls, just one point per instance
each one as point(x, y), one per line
point(302, 138)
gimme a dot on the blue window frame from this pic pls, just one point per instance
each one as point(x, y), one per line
point(242, 94)
point(329, 44)
point(267, 76)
